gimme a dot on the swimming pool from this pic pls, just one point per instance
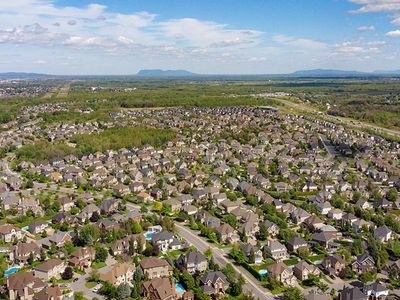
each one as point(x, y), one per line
point(11, 271)
point(148, 235)
point(263, 272)
point(25, 228)
point(179, 288)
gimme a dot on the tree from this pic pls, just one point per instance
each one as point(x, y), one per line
point(101, 254)
point(138, 276)
point(292, 294)
point(124, 291)
point(286, 234)
point(89, 234)
point(95, 217)
point(188, 280)
point(109, 290)
point(303, 252)
point(136, 227)
point(157, 206)
point(68, 273)
point(392, 194)
point(263, 233)
point(168, 224)
point(229, 272)
point(30, 258)
point(208, 253)
point(79, 296)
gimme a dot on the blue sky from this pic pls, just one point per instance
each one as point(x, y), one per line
point(208, 36)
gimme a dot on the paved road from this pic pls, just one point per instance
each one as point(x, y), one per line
point(219, 256)
point(79, 286)
point(328, 146)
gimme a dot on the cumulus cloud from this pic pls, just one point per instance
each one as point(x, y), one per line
point(354, 48)
point(366, 28)
point(375, 6)
point(299, 42)
point(207, 34)
point(394, 33)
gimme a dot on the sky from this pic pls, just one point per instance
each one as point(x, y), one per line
point(106, 37)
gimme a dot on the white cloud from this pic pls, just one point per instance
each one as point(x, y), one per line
point(208, 34)
point(353, 49)
point(366, 28)
point(299, 43)
point(394, 33)
point(379, 6)
point(376, 43)
point(376, 6)
point(257, 59)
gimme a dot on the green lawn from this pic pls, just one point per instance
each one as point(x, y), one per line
point(98, 265)
point(316, 257)
point(291, 261)
point(90, 284)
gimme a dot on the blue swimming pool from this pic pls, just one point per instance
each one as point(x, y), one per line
point(148, 235)
point(179, 288)
point(11, 271)
point(263, 272)
point(25, 228)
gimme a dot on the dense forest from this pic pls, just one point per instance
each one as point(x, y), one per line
point(109, 139)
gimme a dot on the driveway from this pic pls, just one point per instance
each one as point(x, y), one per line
point(79, 286)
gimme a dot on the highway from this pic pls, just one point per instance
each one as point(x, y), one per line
point(334, 119)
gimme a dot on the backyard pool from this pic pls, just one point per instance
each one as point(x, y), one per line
point(11, 271)
point(263, 272)
point(148, 235)
point(25, 228)
point(179, 288)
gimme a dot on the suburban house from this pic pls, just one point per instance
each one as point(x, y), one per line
point(82, 258)
point(302, 270)
point(155, 267)
point(166, 240)
point(49, 269)
point(119, 273)
point(227, 234)
point(159, 289)
point(193, 262)
point(296, 242)
point(333, 265)
point(214, 283)
point(383, 234)
point(282, 273)
point(9, 233)
point(37, 227)
point(23, 286)
point(363, 263)
point(21, 252)
point(276, 250)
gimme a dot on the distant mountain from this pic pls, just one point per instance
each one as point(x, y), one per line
point(385, 72)
point(22, 75)
point(327, 73)
point(165, 73)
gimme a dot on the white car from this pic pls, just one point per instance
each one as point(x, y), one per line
point(96, 288)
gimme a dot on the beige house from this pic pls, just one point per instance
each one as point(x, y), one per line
point(302, 270)
point(8, 233)
point(119, 273)
point(23, 286)
point(282, 273)
point(51, 268)
point(159, 289)
point(155, 267)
